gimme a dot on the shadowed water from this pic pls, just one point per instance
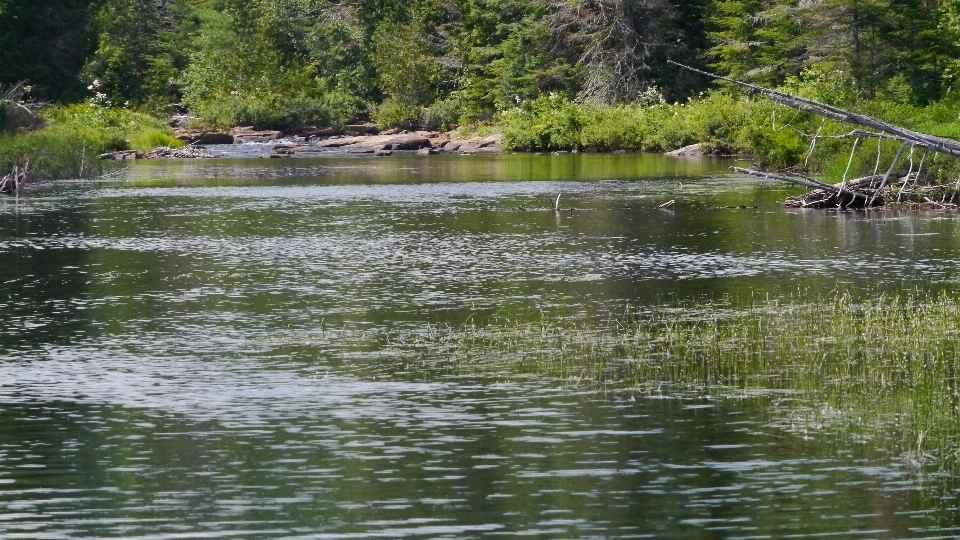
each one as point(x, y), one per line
point(155, 380)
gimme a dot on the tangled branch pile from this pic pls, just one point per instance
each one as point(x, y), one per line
point(19, 175)
point(903, 188)
point(859, 193)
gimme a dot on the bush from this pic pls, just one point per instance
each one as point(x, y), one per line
point(74, 136)
point(275, 111)
point(394, 114)
point(443, 114)
point(549, 122)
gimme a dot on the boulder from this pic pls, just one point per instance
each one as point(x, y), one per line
point(410, 141)
point(193, 136)
point(313, 131)
point(361, 129)
point(284, 150)
point(335, 142)
point(491, 140)
point(248, 134)
point(468, 148)
point(693, 150)
point(451, 146)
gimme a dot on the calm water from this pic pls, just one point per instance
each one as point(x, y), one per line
point(161, 374)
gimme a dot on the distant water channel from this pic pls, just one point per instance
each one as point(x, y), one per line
point(158, 379)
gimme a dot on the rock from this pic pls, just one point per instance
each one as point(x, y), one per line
point(491, 149)
point(334, 142)
point(187, 152)
point(248, 134)
point(285, 150)
point(361, 129)
point(490, 140)
point(410, 141)
point(426, 151)
point(383, 152)
point(468, 148)
point(180, 121)
point(193, 136)
point(693, 150)
point(391, 131)
point(123, 155)
point(451, 146)
point(313, 131)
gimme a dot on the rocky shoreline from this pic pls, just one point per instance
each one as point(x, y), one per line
point(354, 139)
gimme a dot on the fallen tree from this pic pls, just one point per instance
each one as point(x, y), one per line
point(868, 191)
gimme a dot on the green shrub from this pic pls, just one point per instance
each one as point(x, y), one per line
point(284, 113)
point(394, 114)
point(74, 136)
point(550, 122)
point(443, 114)
point(615, 128)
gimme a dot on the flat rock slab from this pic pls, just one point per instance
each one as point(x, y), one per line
point(248, 134)
point(693, 150)
point(192, 136)
point(410, 141)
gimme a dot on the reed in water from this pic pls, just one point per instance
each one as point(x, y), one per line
point(880, 368)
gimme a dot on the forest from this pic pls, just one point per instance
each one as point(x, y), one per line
point(548, 74)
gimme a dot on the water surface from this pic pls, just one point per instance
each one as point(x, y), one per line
point(194, 349)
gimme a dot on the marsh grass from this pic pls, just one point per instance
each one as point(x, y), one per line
point(878, 369)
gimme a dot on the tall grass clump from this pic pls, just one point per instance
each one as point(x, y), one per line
point(878, 368)
point(72, 137)
point(716, 120)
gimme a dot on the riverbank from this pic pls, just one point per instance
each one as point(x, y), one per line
point(715, 124)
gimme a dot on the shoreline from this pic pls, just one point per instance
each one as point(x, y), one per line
point(276, 144)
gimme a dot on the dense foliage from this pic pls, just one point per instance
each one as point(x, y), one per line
point(588, 74)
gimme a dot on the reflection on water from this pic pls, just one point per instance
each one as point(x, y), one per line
point(147, 388)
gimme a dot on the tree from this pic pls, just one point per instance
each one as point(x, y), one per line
point(46, 43)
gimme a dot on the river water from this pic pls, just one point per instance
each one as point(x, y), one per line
point(193, 350)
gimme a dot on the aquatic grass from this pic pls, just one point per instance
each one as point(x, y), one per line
point(877, 368)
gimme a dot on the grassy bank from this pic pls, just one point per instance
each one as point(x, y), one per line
point(775, 137)
point(880, 369)
point(71, 138)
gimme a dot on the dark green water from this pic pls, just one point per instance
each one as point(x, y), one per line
point(161, 375)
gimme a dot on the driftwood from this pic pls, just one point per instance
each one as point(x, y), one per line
point(20, 175)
